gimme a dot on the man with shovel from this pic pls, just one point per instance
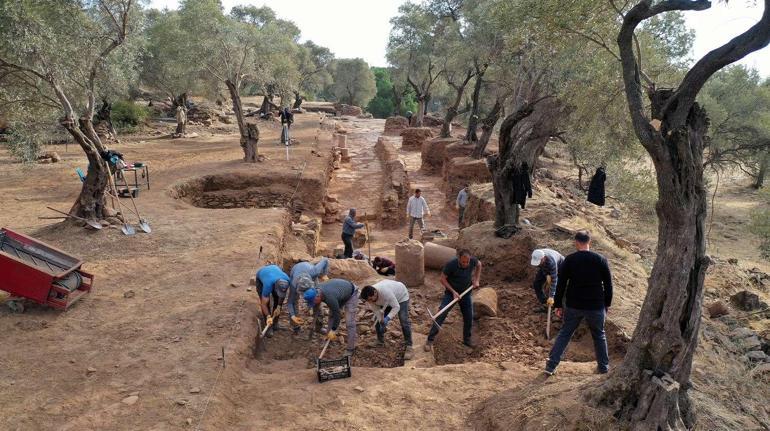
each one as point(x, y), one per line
point(388, 299)
point(337, 294)
point(547, 262)
point(458, 275)
point(272, 285)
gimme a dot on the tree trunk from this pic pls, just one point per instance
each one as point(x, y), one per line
point(666, 334)
point(487, 128)
point(420, 114)
point(473, 121)
point(759, 180)
point(238, 109)
point(446, 128)
point(250, 146)
point(298, 99)
point(398, 101)
point(90, 202)
point(267, 104)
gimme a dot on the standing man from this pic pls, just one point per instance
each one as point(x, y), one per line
point(287, 118)
point(416, 208)
point(336, 293)
point(349, 227)
point(462, 202)
point(547, 262)
point(388, 298)
point(272, 285)
point(384, 266)
point(458, 274)
point(586, 282)
point(303, 276)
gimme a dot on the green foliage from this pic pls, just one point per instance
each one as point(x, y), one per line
point(126, 115)
point(383, 105)
point(353, 82)
point(632, 181)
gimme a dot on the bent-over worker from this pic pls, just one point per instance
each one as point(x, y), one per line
point(388, 299)
point(336, 294)
point(303, 276)
point(272, 285)
point(384, 266)
point(547, 262)
point(458, 275)
point(586, 282)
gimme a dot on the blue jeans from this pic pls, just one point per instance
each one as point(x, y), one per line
point(466, 308)
point(537, 285)
point(572, 318)
point(403, 318)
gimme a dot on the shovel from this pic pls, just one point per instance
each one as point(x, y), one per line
point(127, 229)
point(548, 325)
point(368, 239)
point(144, 227)
point(448, 306)
point(93, 223)
point(142, 222)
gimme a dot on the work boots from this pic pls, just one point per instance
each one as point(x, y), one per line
point(408, 353)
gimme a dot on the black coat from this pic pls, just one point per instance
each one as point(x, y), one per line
point(596, 188)
point(522, 187)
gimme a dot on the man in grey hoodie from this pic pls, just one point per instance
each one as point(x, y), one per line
point(349, 227)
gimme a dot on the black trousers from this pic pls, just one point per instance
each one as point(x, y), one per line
point(348, 241)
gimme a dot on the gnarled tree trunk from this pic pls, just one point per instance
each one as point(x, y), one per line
point(298, 99)
point(473, 121)
point(249, 146)
point(487, 128)
point(667, 332)
point(91, 201)
point(452, 110)
point(759, 179)
point(250, 149)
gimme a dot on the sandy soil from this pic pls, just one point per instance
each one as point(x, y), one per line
point(191, 302)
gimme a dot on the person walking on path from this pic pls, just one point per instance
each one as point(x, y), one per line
point(388, 299)
point(416, 208)
point(586, 283)
point(458, 274)
point(303, 276)
point(272, 285)
point(547, 262)
point(336, 294)
point(462, 202)
point(349, 227)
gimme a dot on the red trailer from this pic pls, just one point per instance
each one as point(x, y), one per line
point(36, 271)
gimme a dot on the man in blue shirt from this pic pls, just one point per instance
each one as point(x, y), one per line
point(349, 227)
point(458, 275)
point(272, 286)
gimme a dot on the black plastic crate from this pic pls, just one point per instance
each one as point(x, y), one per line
point(332, 369)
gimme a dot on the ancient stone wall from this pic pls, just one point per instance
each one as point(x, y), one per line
point(463, 170)
point(433, 152)
point(481, 204)
point(413, 137)
point(395, 187)
point(395, 125)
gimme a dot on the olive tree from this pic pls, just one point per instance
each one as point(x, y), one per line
point(61, 53)
point(353, 82)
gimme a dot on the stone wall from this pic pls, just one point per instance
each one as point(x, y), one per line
point(395, 125)
point(413, 137)
point(395, 187)
point(433, 152)
point(464, 170)
point(350, 110)
point(481, 204)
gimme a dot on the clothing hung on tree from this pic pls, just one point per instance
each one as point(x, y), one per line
point(596, 187)
point(522, 187)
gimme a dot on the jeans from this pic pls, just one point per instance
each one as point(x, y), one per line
point(403, 318)
point(538, 285)
point(466, 308)
point(572, 318)
point(285, 138)
point(348, 241)
point(351, 308)
point(461, 215)
point(411, 225)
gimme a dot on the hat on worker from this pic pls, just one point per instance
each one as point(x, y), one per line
point(304, 283)
point(537, 257)
point(281, 286)
point(309, 296)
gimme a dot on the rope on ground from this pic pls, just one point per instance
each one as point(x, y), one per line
point(221, 369)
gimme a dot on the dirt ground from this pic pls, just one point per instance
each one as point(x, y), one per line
point(173, 318)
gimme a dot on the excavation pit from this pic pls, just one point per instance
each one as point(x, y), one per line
point(241, 190)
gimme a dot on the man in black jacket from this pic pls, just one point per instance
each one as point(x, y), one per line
point(585, 291)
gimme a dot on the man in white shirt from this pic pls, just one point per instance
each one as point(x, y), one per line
point(388, 298)
point(416, 208)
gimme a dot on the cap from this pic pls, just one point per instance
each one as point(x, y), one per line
point(537, 257)
point(281, 286)
point(304, 282)
point(309, 296)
